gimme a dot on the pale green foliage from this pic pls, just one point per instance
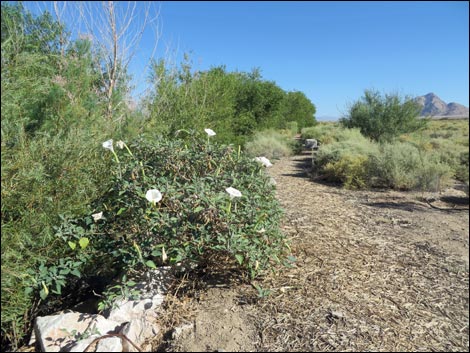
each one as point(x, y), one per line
point(323, 132)
point(346, 160)
point(405, 166)
point(270, 144)
point(358, 162)
point(384, 118)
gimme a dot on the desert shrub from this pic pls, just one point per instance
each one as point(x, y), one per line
point(196, 222)
point(351, 170)
point(447, 140)
point(269, 143)
point(329, 133)
point(448, 151)
point(404, 166)
point(346, 161)
point(413, 162)
point(462, 170)
point(321, 132)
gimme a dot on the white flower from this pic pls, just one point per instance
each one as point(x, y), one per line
point(153, 195)
point(233, 192)
point(164, 255)
point(120, 144)
point(108, 145)
point(97, 216)
point(210, 132)
point(264, 161)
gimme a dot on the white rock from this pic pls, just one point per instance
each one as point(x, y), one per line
point(111, 344)
point(49, 330)
point(127, 310)
point(54, 333)
point(138, 331)
point(311, 143)
point(80, 345)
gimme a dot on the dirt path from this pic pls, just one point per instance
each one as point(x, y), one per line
point(375, 271)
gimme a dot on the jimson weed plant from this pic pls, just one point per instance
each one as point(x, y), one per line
point(169, 203)
point(184, 201)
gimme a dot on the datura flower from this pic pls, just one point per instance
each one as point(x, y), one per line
point(164, 255)
point(97, 216)
point(210, 132)
point(108, 145)
point(121, 144)
point(233, 192)
point(153, 195)
point(264, 161)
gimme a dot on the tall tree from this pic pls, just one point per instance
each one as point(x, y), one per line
point(297, 107)
point(117, 29)
point(382, 118)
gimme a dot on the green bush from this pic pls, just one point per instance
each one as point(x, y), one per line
point(462, 171)
point(41, 179)
point(447, 140)
point(346, 161)
point(270, 144)
point(384, 118)
point(351, 170)
point(237, 104)
point(404, 166)
point(196, 222)
point(417, 162)
point(321, 132)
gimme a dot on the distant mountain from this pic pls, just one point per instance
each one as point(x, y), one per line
point(434, 106)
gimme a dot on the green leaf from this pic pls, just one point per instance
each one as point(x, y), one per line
point(64, 271)
point(43, 294)
point(75, 272)
point(156, 253)
point(84, 242)
point(151, 264)
point(198, 209)
point(131, 283)
point(28, 290)
point(72, 245)
point(57, 290)
point(121, 210)
point(239, 258)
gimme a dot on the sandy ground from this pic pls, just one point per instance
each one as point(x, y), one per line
point(375, 271)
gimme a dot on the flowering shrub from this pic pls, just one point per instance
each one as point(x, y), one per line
point(188, 202)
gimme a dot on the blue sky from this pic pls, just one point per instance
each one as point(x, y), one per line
point(331, 51)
